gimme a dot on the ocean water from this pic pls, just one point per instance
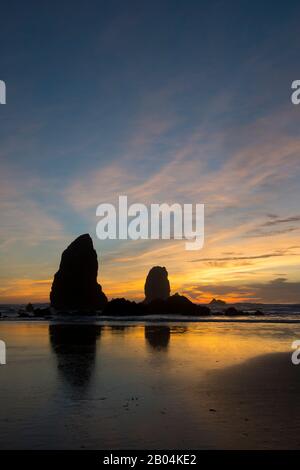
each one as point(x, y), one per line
point(149, 385)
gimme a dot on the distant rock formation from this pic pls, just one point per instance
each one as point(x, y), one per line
point(176, 304)
point(217, 303)
point(232, 311)
point(42, 312)
point(258, 313)
point(75, 283)
point(119, 307)
point(157, 284)
point(29, 307)
point(182, 305)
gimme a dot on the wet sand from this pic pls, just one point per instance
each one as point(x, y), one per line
point(255, 405)
point(208, 386)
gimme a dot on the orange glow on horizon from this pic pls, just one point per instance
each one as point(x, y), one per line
point(37, 291)
point(189, 274)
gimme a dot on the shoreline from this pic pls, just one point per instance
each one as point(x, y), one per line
point(149, 319)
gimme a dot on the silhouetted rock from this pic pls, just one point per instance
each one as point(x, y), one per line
point(181, 305)
point(232, 311)
point(29, 307)
point(122, 306)
point(176, 304)
point(157, 284)
point(42, 312)
point(157, 307)
point(75, 283)
point(23, 314)
point(259, 313)
point(203, 310)
point(217, 303)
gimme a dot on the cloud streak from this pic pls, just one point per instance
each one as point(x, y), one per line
point(240, 258)
point(278, 290)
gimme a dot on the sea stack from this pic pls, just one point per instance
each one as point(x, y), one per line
point(157, 286)
point(75, 284)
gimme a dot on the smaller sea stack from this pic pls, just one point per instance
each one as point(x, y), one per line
point(157, 286)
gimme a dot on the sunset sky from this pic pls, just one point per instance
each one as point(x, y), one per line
point(162, 101)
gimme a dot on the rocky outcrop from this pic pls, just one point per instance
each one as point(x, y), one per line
point(29, 307)
point(75, 284)
point(178, 305)
point(232, 311)
point(157, 286)
point(122, 306)
point(217, 303)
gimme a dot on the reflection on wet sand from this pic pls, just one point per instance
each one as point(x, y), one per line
point(158, 337)
point(75, 351)
point(154, 386)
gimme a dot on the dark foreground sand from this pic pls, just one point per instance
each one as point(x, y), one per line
point(256, 404)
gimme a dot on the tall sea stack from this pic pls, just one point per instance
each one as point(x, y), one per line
point(75, 283)
point(157, 284)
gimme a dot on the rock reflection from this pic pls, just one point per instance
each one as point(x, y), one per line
point(158, 337)
point(75, 350)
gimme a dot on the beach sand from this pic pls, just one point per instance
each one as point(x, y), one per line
point(255, 405)
point(202, 386)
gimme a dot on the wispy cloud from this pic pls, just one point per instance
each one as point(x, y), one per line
point(23, 217)
point(278, 221)
point(239, 258)
point(278, 290)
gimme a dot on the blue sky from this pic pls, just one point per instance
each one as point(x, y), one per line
point(164, 101)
